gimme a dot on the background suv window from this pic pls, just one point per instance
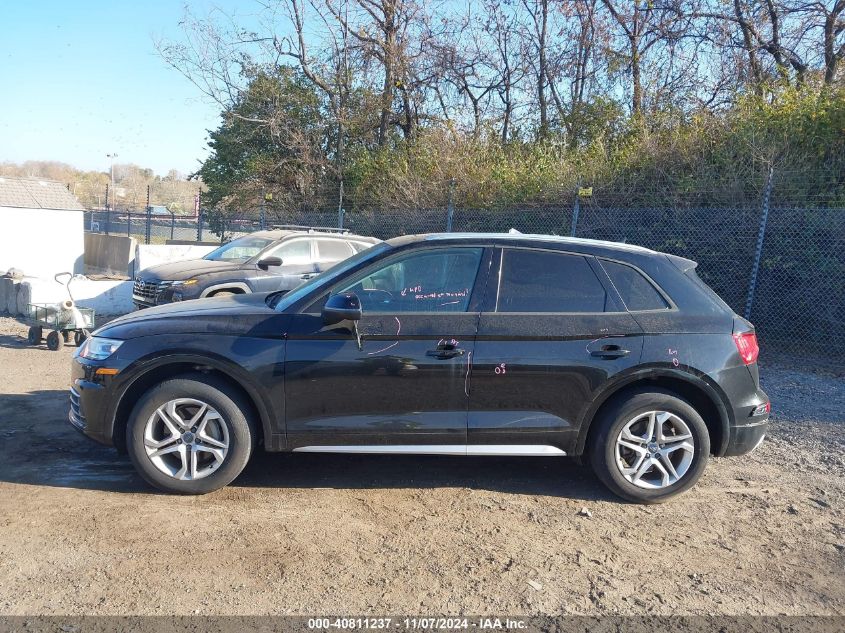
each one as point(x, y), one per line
point(543, 281)
point(432, 281)
point(293, 252)
point(333, 250)
point(636, 291)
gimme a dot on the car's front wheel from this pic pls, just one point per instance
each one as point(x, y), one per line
point(649, 446)
point(190, 435)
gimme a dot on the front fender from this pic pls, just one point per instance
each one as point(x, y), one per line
point(259, 382)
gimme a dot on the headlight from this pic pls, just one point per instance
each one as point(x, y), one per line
point(186, 282)
point(97, 348)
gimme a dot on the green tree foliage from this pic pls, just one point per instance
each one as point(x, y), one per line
point(271, 145)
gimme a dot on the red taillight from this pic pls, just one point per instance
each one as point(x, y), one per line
point(746, 345)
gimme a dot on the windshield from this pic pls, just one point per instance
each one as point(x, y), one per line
point(328, 277)
point(240, 250)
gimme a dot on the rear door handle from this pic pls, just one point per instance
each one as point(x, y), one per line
point(444, 352)
point(610, 351)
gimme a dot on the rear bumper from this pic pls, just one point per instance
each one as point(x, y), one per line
point(748, 430)
point(746, 438)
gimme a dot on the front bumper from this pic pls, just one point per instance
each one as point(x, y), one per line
point(146, 294)
point(88, 402)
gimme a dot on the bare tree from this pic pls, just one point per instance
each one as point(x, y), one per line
point(643, 25)
point(537, 56)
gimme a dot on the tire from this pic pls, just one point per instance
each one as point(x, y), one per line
point(163, 471)
point(54, 341)
point(641, 482)
point(34, 335)
point(66, 336)
point(79, 337)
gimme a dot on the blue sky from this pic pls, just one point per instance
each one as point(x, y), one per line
point(81, 78)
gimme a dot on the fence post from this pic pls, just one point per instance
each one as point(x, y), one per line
point(340, 210)
point(761, 235)
point(576, 209)
point(450, 206)
point(262, 217)
point(128, 223)
point(172, 224)
point(108, 221)
point(149, 218)
point(199, 225)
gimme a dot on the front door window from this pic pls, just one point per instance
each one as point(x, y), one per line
point(434, 281)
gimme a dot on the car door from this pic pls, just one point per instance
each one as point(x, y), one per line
point(298, 264)
point(405, 387)
point(552, 330)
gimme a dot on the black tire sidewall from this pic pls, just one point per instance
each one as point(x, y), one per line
point(54, 341)
point(602, 451)
point(221, 397)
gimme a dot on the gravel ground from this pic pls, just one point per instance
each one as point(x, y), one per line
point(80, 533)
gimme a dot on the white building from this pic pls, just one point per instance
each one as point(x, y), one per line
point(41, 227)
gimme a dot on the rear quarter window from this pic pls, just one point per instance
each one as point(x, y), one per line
point(636, 291)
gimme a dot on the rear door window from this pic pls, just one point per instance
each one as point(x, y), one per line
point(294, 252)
point(545, 281)
point(636, 291)
point(333, 250)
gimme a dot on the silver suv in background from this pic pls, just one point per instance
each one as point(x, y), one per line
point(264, 261)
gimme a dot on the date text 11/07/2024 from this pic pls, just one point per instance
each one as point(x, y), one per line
point(418, 623)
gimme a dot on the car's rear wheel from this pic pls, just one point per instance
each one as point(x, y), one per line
point(190, 435)
point(649, 446)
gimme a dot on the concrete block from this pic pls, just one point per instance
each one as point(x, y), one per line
point(147, 255)
point(11, 305)
point(109, 254)
point(5, 283)
point(24, 298)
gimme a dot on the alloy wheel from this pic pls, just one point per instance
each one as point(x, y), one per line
point(186, 439)
point(654, 450)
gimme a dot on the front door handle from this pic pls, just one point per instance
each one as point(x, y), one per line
point(610, 351)
point(444, 352)
point(307, 276)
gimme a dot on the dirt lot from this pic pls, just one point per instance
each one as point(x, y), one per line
point(80, 533)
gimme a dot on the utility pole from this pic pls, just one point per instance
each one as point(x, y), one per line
point(450, 206)
point(111, 157)
point(341, 113)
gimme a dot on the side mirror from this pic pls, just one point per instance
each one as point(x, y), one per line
point(342, 307)
point(265, 263)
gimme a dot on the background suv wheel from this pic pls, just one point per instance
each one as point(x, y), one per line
point(190, 435)
point(649, 446)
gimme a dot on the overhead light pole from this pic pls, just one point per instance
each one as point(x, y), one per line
point(111, 156)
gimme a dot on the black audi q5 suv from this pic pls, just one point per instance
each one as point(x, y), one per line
point(449, 344)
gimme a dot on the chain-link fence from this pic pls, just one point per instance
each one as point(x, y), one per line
point(781, 263)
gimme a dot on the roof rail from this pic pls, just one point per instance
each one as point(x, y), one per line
point(310, 229)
